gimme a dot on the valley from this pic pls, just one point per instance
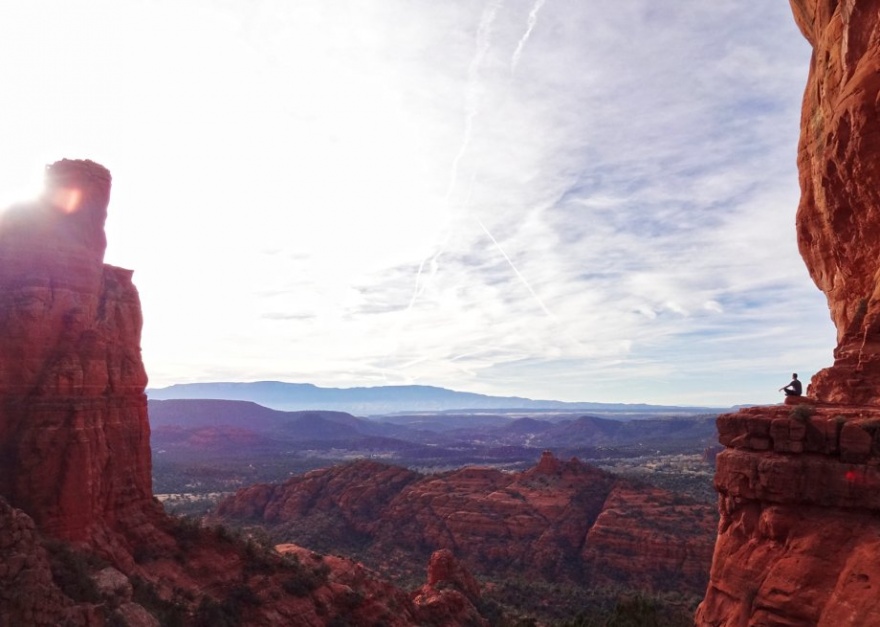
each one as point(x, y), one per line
point(555, 513)
point(203, 449)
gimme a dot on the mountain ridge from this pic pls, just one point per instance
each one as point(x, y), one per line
point(380, 400)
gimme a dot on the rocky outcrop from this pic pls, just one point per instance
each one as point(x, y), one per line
point(362, 598)
point(799, 527)
point(451, 595)
point(28, 593)
point(561, 520)
point(651, 539)
point(74, 436)
point(838, 220)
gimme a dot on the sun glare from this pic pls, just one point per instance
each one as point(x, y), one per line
point(67, 199)
point(19, 187)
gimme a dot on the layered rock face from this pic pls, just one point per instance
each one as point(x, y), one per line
point(650, 539)
point(838, 221)
point(74, 435)
point(799, 530)
point(558, 521)
point(798, 483)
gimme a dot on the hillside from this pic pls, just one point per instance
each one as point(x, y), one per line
point(557, 522)
point(202, 446)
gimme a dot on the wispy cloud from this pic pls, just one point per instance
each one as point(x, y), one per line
point(543, 198)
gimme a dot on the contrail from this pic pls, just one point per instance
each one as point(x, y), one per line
point(530, 26)
point(514, 268)
point(537, 298)
point(472, 102)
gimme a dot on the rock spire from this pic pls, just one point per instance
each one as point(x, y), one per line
point(74, 434)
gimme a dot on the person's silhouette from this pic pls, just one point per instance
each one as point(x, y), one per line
point(794, 388)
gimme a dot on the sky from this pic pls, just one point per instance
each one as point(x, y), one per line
point(557, 199)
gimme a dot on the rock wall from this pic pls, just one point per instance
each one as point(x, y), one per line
point(799, 529)
point(650, 539)
point(74, 434)
point(798, 483)
point(28, 593)
point(838, 220)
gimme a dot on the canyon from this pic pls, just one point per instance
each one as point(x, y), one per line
point(85, 543)
point(559, 521)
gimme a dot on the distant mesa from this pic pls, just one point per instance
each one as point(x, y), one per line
point(366, 401)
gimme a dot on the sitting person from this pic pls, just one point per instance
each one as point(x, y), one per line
point(794, 388)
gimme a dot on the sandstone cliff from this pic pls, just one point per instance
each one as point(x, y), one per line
point(74, 435)
point(838, 221)
point(558, 521)
point(799, 530)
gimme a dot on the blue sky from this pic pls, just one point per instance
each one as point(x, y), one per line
point(556, 199)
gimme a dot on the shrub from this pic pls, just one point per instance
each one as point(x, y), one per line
point(213, 614)
point(72, 572)
point(305, 579)
point(802, 412)
point(169, 613)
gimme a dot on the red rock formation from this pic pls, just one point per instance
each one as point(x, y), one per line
point(798, 483)
point(651, 539)
point(451, 594)
point(838, 221)
point(558, 521)
point(446, 600)
point(799, 529)
point(74, 436)
point(445, 570)
point(28, 594)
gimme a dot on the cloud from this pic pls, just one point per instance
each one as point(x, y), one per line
point(589, 204)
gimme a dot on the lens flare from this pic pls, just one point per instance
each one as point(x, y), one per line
point(67, 199)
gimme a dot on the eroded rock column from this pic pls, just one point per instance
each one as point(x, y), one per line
point(74, 434)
